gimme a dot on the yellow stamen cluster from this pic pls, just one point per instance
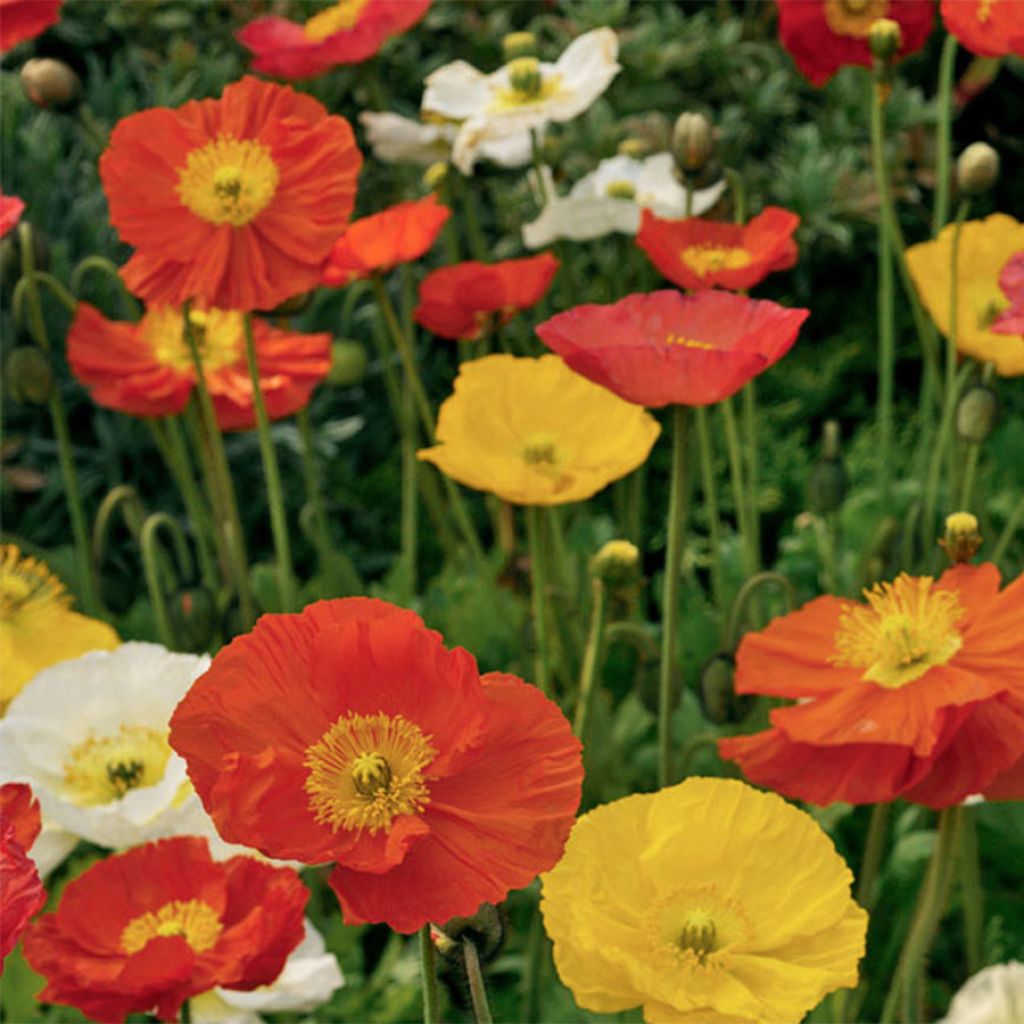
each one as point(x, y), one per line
point(26, 581)
point(679, 339)
point(695, 928)
point(541, 450)
point(528, 86)
point(710, 259)
point(340, 17)
point(218, 335)
point(228, 181)
point(854, 17)
point(103, 769)
point(195, 921)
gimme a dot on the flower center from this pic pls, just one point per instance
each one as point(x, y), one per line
point(195, 921)
point(710, 259)
point(620, 190)
point(695, 927)
point(678, 339)
point(540, 450)
point(984, 10)
point(217, 333)
point(25, 582)
point(366, 770)
point(228, 181)
point(854, 17)
point(905, 629)
point(528, 86)
point(989, 310)
point(340, 17)
point(103, 769)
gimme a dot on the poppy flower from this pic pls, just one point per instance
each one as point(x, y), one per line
point(375, 244)
point(25, 19)
point(11, 209)
point(824, 35)
point(985, 248)
point(144, 930)
point(21, 890)
point(1011, 281)
point(665, 348)
point(463, 302)
point(232, 202)
point(707, 901)
point(988, 997)
point(37, 626)
point(919, 693)
point(534, 433)
point(524, 94)
point(695, 253)
point(350, 733)
point(988, 28)
point(145, 368)
point(348, 32)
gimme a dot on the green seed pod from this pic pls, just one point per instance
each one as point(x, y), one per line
point(348, 363)
point(977, 413)
point(28, 375)
point(524, 75)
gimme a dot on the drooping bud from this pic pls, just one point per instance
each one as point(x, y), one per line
point(885, 37)
point(524, 75)
point(977, 168)
point(620, 190)
point(827, 482)
point(692, 142)
point(29, 375)
point(635, 147)
point(519, 44)
point(348, 363)
point(719, 700)
point(434, 175)
point(617, 564)
point(961, 540)
point(485, 929)
point(50, 83)
point(977, 413)
point(194, 612)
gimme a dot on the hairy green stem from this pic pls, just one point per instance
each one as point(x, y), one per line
point(874, 848)
point(944, 134)
point(428, 975)
point(751, 557)
point(477, 990)
point(707, 472)
point(591, 659)
point(973, 893)
point(150, 548)
point(538, 600)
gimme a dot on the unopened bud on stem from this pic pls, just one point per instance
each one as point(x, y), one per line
point(692, 142)
point(961, 540)
point(50, 83)
point(977, 168)
point(617, 564)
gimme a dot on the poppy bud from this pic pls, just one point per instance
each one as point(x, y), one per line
point(977, 168)
point(348, 363)
point(717, 691)
point(50, 83)
point(195, 617)
point(692, 142)
point(885, 37)
point(519, 44)
point(961, 539)
point(827, 483)
point(484, 929)
point(434, 176)
point(29, 376)
point(977, 413)
point(524, 75)
point(617, 564)
point(634, 147)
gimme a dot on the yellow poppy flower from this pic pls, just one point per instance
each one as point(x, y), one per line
point(534, 433)
point(37, 626)
point(705, 902)
point(985, 247)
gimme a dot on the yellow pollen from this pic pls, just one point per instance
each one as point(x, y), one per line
point(678, 339)
point(217, 332)
point(103, 769)
point(984, 10)
point(906, 628)
point(699, 934)
point(228, 181)
point(854, 17)
point(24, 582)
point(339, 17)
point(195, 921)
point(366, 770)
point(695, 928)
point(540, 450)
point(710, 259)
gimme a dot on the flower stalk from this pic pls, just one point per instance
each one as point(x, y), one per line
point(477, 990)
point(538, 600)
point(428, 973)
point(591, 658)
point(943, 134)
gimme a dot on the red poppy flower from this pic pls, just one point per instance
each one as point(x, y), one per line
point(145, 368)
point(349, 733)
point(824, 35)
point(232, 202)
point(988, 28)
point(373, 244)
point(917, 694)
point(11, 209)
point(695, 253)
point(145, 930)
point(21, 890)
point(665, 348)
point(463, 302)
point(345, 33)
point(25, 19)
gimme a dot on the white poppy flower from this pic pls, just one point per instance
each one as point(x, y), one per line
point(993, 996)
point(524, 94)
point(90, 736)
point(51, 846)
point(611, 197)
point(310, 977)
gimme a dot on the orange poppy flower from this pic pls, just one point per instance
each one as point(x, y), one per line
point(377, 243)
point(665, 348)
point(988, 28)
point(145, 368)
point(21, 890)
point(348, 32)
point(232, 202)
point(917, 694)
point(11, 209)
point(25, 19)
point(695, 253)
point(824, 35)
point(465, 301)
point(145, 930)
point(349, 733)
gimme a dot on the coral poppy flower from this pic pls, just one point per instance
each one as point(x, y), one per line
point(21, 890)
point(464, 302)
point(348, 32)
point(25, 19)
point(37, 626)
point(665, 348)
point(232, 202)
point(988, 28)
point(145, 368)
point(11, 209)
point(917, 694)
point(377, 243)
point(985, 248)
point(695, 253)
point(824, 35)
point(144, 930)
point(707, 901)
point(534, 433)
point(350, 733)
point(1011, 281)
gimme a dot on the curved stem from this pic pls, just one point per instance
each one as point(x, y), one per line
point(707, 473)
point(538, 599)
point(134, 516)
point(477, 990)
point(747, 591)
point(943, 134)
point(151, 566)
point(428, 974)
point(591, 660)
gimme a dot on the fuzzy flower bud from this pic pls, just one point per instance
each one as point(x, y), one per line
point(885, 37)
point(977, 413)
point(617, 564)
point(717, 691)
point(50, 83)
point(977, 168)
point(519, 44)
point(485, 929)
point(28, 375)
point(348, 363)
point(692, 142)
point(524, 75)
point(961, 539)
